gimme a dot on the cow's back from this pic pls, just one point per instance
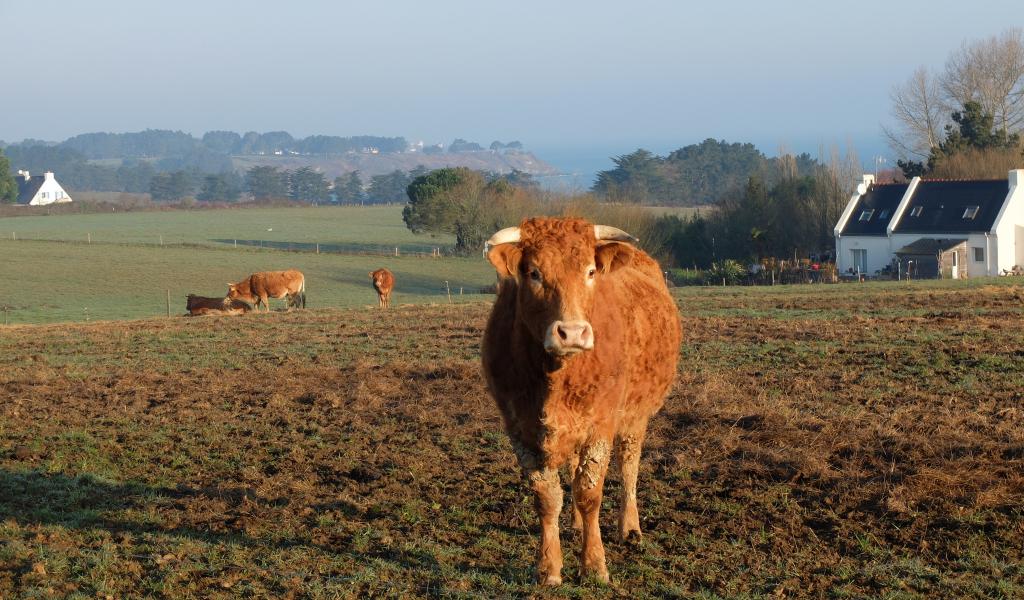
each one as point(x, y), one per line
point(276, 283)
point(652, 335)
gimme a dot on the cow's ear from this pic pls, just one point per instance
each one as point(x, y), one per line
point(610, 256)
point(505, 258)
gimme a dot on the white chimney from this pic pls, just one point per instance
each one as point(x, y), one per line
point(25, 174)
point(1016, 177)
point(866, 180)
point(48, 176)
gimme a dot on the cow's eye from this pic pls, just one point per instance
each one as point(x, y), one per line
point(535, 274)
point(591, 273)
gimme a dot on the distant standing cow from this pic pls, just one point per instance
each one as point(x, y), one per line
point(201, 305)
point(384, 282)
point(579, 351)
point(258, 288)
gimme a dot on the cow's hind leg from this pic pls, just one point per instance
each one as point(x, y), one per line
point(627, 447)
point(587, 489)
point(547, 500)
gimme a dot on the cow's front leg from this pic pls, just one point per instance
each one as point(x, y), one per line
point(587, 488)
point(547, 500)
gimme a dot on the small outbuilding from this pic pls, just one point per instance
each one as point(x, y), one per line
point(931, 258)
point(36, 190)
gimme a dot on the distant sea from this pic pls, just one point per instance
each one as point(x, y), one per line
point(579, 165)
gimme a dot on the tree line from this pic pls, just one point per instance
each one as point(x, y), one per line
point(694, 175)
point(794, 214)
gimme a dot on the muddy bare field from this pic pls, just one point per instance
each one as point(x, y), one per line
point(823, 442)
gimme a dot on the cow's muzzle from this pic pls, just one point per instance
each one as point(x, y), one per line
point(569, 337)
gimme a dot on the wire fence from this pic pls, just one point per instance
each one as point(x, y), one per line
point(343, 248)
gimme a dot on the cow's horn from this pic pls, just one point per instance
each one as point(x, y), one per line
point(509, 235)
point(606, 232)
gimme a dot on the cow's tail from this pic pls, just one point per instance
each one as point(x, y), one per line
point(302, 292)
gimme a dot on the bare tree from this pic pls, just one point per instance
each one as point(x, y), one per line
point(920, 112)
point(990, 72)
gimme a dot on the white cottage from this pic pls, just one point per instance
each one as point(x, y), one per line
point(35, 190)
point(975, 227)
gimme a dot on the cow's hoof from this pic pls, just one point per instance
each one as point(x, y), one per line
point(550, 580)
point(633, 537)
point(598, 575)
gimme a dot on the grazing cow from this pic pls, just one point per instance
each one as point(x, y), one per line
point(258, 288)
point(383, 281)
point(201, 305)
point(580, 350)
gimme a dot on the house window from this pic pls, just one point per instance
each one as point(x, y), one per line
point(884, 213)
point(979, 254)
point(866, 215)
point(860, 260)
point(970, 212)
point(916, 211)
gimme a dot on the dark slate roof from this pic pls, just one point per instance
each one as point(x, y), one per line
point(882, 200)
point(930, 246)
point(942, 205)
point(27, 189)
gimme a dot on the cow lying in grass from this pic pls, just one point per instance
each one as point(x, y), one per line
point(201, 305)
point(579, 351)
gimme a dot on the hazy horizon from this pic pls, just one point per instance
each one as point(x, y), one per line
point(602, 78)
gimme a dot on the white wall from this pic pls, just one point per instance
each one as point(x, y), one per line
point(50, 192)
point(879, 253)
point(1009, 250)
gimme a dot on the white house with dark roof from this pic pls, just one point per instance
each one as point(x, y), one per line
point(954, 227)
point(36, 190)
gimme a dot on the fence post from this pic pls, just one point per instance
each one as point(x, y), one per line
point(236, 243)
point(88, 238)
point(168, 302)
point(396, 250)
point(449, 290)
point(318, 247)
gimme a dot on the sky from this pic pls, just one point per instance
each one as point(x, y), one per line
point(570, 79)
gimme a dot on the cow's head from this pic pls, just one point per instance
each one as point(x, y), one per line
point(377, 277)
point(556, 266)
point(237, 293)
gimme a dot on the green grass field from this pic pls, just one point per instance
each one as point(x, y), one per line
point(350, 228)
point(124, 273)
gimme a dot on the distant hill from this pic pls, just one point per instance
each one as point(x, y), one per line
point(378, 164)
point(126, 162)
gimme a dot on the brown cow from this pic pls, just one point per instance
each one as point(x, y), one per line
point(258, 288)
point(383, 281)
point(201, 305)
point(580, 350)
